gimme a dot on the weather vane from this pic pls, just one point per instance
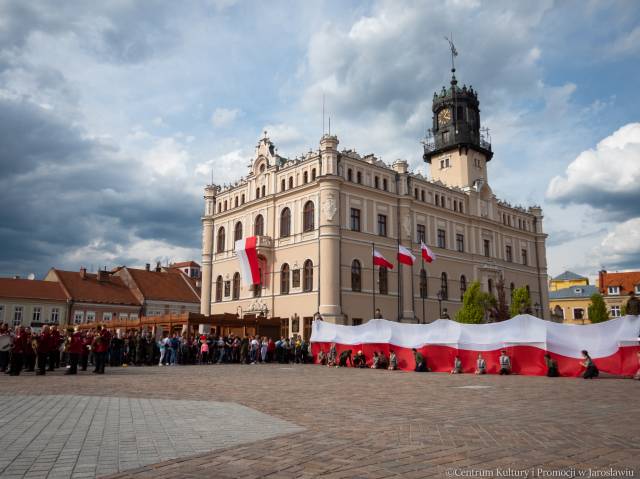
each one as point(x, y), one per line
point(454, 52)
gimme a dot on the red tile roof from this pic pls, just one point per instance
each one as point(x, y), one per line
point(90, 290)
point(626, 281)
point(169, 285)
point(185, 264)
point(31, 289)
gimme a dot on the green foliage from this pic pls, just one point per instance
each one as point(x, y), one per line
point(623, 310)
point(520, 302)
point(475, 304)
point(597, 309)
point(502, 308)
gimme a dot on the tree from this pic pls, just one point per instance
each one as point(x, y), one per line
point(502, 309)
point(597, 309)
point(475, 304)
point(520, 302)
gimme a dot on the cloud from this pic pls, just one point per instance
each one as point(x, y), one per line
point(606, 178)
point(621, 247)
point(222, 117)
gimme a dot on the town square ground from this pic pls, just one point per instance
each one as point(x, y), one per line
point(285, 421)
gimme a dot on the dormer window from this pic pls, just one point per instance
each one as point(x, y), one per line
point(578, 290)
point(613, 290)
point(262, 168)
point(444, 163)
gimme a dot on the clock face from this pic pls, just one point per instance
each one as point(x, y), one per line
point(444, 116)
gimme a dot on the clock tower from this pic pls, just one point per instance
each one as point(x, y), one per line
point(456, 147)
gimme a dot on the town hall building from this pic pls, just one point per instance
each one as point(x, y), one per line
point(319, 217)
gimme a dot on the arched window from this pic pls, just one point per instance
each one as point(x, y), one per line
point(437, 200)
point(356, 276)
point(218, 289)
point(220, 243)
point(284, 279)
point(283, 184)
point(463, 286)
point(383, 280)
point(513, 288)
point(225, 205)
point(264, 191)
point(237, 233)
point(242, 200)
point(257, 193)
point(258, 226)
point(219, 207)
point(415, 193)
point(385, 184)
point(308, 216)
point(285, 223)
point(490, 285)
point(313, 174)
point(349, 174)
point(235, 202)
point(290, 182)
point(424, 291)
point(460, 208)
point(455, 205)
point(305, 177)
point(236, 286)
point(444, 286)
point(307, 280)
point(376, 182)
point(422, 195)
point(358, 177)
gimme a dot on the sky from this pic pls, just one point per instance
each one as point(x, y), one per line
point(114, 115)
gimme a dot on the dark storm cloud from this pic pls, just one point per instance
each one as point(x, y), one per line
point(611, 205)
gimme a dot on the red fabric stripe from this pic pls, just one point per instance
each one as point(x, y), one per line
point(252, 256)
point(404, 259)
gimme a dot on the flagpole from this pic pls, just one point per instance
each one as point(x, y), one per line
point(424, 320)
point(373, 280)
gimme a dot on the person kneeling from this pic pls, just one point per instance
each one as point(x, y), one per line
point(505, 363)
point(322, 358)
point(552, 366)
point(591, 371)
point(393, 361)
point(481, 365)
point(344, 357)
point(383, 362)
point(421, 365)
point(457, 366)
point(359, 361)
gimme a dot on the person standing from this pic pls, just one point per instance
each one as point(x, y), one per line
point(6, 342)
point(21, 342)
point(75, 350)
point(44, 344)
point(54, 353)
point(29, 351)
point(99, 347)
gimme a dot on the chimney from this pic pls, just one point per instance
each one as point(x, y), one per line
point(83, 272)
point(601, 276)
point(103, 275)
point(147, 267)
point(158, 267)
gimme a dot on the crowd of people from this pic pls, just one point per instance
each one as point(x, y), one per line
point(380, 361)
point(22, 349)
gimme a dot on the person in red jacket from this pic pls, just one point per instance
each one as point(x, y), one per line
point(44, 346)
point(100, 345)
point(54, 354)
point(21, 342)
point(76, 349)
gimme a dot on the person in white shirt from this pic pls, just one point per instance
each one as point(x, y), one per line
point(481, 365)
point(505, 363)
point(457, 366)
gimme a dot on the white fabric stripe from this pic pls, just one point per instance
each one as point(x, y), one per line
point(245, 268)
point(602, 339)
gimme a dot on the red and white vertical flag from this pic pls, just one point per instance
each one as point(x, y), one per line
point(405, 256)
point(379, 260)
point(427, 254)
point(248, 257)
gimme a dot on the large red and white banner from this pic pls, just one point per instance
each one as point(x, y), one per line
point(613, 344)
point(247, 252)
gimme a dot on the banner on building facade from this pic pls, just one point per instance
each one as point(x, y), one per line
point(247, 252)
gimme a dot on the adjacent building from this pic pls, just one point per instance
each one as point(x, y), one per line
point(571, 304)
point(190, 268)
point(567, 280)
point(615, 287)
point(32, 303)
point(318, 217)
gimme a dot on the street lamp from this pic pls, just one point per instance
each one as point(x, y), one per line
point(537, 307)
point(440, 297)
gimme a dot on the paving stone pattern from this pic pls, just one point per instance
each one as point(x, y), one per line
point(377, 424)
point(85, 436)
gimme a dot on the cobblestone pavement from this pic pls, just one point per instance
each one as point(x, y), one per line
point(375, 424)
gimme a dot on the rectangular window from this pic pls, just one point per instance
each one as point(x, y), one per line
point(382, 225)
point(442, 239)
point(133, 316)
point(524, 257)
point(376, 182)
point(1, 313)
point(384, 184)
point(509, 254)
point(37, 312)
point(355, 219)
point(108, 316)
point(227, 289)
point(17, 315)
point(421, 234)
point(615, 311)
point(295, 278)
point(78, 316)
point(91, 316)
point(460, 242)
point(613, 290)
point(487, 248)
point(123, 316)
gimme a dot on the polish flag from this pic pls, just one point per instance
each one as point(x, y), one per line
point(248, 257)
point(427, 254)
point(405, 256)
point(378, 260)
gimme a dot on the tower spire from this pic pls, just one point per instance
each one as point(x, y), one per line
point(454, 53)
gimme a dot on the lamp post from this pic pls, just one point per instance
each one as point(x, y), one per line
point(440, 296)
point(537, 308)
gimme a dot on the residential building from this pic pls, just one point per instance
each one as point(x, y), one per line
point(318, 217)
point(190, 268)
point(571, 304)
point(161, 291)
point(33, 303)
point(97, 297)
point(567, 280)
point(615, 287)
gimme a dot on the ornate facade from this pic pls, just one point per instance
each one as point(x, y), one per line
point(318, 217)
